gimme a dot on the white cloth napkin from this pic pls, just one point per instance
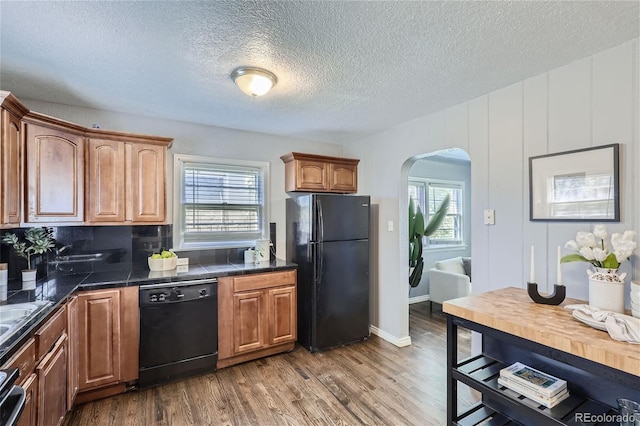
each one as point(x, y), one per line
point(620, 327)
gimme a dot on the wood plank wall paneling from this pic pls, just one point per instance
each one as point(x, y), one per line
point(373, 382)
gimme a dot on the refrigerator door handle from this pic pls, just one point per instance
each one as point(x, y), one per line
point(320, 262)
point(320, 221)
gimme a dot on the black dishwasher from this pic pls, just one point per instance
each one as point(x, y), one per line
point(178, 330)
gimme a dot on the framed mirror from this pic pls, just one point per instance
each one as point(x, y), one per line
point(575, 186)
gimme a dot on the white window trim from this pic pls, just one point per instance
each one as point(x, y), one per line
point(458, 183)
point(178, 232)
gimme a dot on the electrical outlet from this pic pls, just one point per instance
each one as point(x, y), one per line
point(390, 226)
point(490, 217)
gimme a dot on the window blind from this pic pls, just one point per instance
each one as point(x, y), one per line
point(450, 231)
point(222, 202)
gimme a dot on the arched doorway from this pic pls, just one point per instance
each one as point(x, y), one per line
point(427, 178)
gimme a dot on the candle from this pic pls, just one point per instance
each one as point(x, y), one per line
point(532, 278)
point(559, 277)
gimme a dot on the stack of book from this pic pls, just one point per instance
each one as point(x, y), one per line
point(540, 387)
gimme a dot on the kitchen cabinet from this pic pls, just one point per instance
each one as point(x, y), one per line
point(319, 173)
point(126, 181)
point(72, 350)
point(108, 335)
point(146, 179)
point(257, 316)
point(11, 154)
point(52, 385)
point(545, 337)
point(55, 171)
point(30, 411)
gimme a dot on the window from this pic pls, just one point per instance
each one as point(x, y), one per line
point(219, 203)
point(428, 194)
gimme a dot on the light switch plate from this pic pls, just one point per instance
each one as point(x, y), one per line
point(489, 217)
point(390, 226)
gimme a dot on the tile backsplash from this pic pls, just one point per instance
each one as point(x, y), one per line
point(84, 249)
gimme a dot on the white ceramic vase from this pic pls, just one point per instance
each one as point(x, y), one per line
point(29, 275)
point(606, 289)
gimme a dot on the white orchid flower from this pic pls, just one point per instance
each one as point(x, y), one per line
point(600, 231)
point(572, 245)
point(587, 253)
point(599, 254)
point(586, 239)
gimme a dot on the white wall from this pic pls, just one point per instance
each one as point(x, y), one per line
point(438, 167)
point(590, 102)
point(203, 140)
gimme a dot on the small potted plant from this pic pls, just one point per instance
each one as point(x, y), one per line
point(36, 241)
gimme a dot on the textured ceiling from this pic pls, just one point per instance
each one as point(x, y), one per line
point(345, 69)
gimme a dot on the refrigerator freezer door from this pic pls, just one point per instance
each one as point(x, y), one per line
point(340, 217)
point(341, 294)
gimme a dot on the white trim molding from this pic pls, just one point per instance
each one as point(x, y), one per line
point(418, 299)
point(399, 342)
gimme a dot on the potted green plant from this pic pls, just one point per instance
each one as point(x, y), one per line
point(36, 241)
point(417, 231)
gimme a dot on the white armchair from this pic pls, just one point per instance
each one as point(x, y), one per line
point(450, 279)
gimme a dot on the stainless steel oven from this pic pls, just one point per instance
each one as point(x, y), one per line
point(178, 330)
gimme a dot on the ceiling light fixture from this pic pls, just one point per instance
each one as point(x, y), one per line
point(254, 81)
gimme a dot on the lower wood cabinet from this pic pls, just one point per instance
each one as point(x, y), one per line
point(52, 385)
point(108, 335)
point(257, 316)
point(72, 352)
point(30, 411)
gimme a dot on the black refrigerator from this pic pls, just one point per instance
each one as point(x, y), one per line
point(328, 238)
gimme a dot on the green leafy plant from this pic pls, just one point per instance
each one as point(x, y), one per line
point(417, 231)
point(37, 241)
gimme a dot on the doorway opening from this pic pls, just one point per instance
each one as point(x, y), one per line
point(428, 178)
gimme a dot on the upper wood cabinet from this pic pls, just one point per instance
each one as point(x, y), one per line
point(105, 181)
point(125, 182)
point(319, 173)
point(55, 172)
point(146, 180)
point(11, 155)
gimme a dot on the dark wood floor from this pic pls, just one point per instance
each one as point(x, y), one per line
point(372, 383)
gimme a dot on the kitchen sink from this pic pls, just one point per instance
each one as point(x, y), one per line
point(12, 317)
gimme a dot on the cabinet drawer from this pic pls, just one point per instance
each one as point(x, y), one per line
point(260, 281)
point(50, 333)
point(24, 360)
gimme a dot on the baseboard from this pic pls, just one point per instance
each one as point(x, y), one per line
point(418, 299)
point(401, 343)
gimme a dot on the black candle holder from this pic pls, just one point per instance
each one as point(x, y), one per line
point(559, 293)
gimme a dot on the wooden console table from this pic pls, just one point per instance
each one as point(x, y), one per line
point(598, 370)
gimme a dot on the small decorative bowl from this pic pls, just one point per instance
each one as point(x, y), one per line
point(164, 264)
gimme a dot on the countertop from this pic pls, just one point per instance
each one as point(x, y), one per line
point(512, 311)
point(56, 289)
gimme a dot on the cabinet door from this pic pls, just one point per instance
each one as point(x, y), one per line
point(99, 336)
point(11, 169)
point(105, 181)
point(146, 182)
point(30, 411)
point(129, 333)
point(72, 353)
point(52, 389)
point(248, 321)
point(343, 178)
point(282, 315)
point(55, 175)
point(311, 175)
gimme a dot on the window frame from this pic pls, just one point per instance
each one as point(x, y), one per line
point(429, 243)
point(179, 161)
